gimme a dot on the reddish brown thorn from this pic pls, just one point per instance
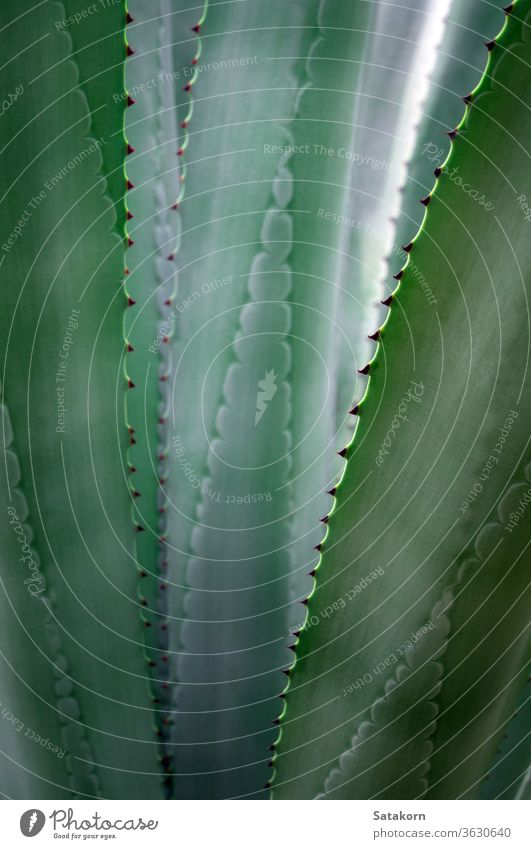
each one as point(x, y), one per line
point(187, 87)
point(365, 369)
point(313, 573)
point(132, 441)
point(130, 101)
point(132, 469)
point(129, 185)
point(143, 602)
point(272, 748)
point(130, 149)
point(136, 494)
point(194, 60)
point(196, 28)
point(374, 336)
point(129, 215)
point(407, 247)
point(282, 695)
point(490, 45)
point(387, 302)
point(452, 134)
point(130, 241)
point(130, 383)
point(305, 602)
point(184, 125)
point(164, 658)
point(175, 206)
point(130, 347)
point(130, 302)
point(130, 51)
point(180, 151)
point(398, 276)
point(318, 547)
point(342, 453)
point(129, 19)
point(126, 270)
point(267, 786)
point(171, 257)
point(425, 201)
point(438, 172)
point(332, 491)
point(355, 409)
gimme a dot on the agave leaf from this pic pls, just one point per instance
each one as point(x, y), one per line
point(62, 343)
point(229, 503)
point(460, 63)
point(508, 776)
point(353, 115)
point(30, 705)
point(444, 385)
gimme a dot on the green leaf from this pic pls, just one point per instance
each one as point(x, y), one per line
point(61, 336)
point(445, 396)
point(509, 773)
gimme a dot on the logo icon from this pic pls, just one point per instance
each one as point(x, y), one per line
point(267, 388)
point(32, 822)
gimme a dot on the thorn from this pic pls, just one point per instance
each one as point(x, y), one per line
point(425, 201)
point(342, 453)
point(438, 172)
point(365, 369)
point(147, 624)
point(467, 98)
point(187, 87)
point(130, 347)
point(452, 134)
point(387, 302)
point(130, 149)
point(132, 469)
point(313, 573)
point(184, 125)
point(490, 45)
point(126, 270)
point(286, 672)
point(270, 764)
point(276, 722)
point(374, 336)
point(292, 648)
point(296, 634)
point(139, 529)
point(136, 494)
point(267, 786)
point(129, 215)
point(130, 242)
point(130, 302)
point(129, 19)
point(142, 574)
point(355, 409)
point(130, 51)
point(196, 28)
point(398, 276)
point(130, 101)
point(305, 602)
point(130, 383)
point(407, 247)
point(171, 257)
point(129, 185)
point(180, 151)
point(508, 9)
point(332, 491)
point(318, 547)
point(282, 695)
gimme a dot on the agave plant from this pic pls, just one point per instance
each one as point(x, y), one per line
point(250, 456)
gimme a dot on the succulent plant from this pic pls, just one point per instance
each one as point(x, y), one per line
point(231, 463)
